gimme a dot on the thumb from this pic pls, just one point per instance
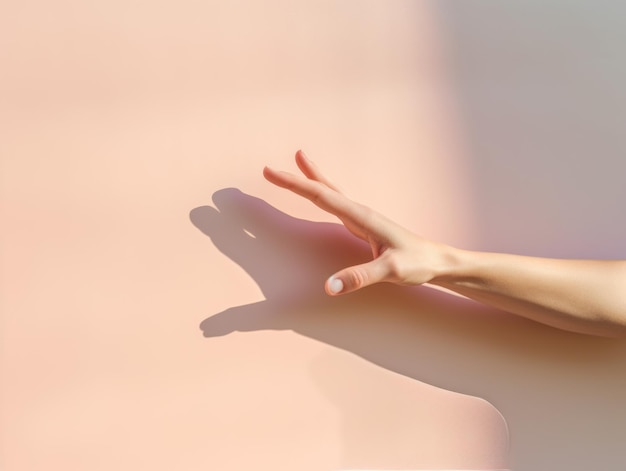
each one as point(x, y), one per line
point(356, 277)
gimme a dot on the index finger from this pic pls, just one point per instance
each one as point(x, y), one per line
point(319, 194)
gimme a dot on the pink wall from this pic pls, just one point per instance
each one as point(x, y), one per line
point(162, 305)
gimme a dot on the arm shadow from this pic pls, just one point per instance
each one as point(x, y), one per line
point(431, 336)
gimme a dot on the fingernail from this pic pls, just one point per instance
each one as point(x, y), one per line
point(335, 285)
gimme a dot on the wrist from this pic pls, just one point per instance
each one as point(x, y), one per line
point(455, 266)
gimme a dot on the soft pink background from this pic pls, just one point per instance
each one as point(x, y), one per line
point(162, 305)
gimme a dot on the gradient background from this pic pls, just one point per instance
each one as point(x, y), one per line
point(162, 306)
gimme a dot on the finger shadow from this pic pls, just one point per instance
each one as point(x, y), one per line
point(425, 334)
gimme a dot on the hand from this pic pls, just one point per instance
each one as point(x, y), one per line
point(399, 256)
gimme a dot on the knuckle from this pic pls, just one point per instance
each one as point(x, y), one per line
point(357, 279)
point(318, 197)
point(368, 215)
point(365, 218)
point(395, 267)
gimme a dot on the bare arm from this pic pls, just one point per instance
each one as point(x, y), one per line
point(587, 296)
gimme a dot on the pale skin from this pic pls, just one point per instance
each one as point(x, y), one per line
point(585, 296)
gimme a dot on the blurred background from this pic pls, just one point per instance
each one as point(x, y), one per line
point(162, 306)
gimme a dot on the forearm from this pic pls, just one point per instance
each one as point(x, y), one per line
point(579, 295)
point(587, 296)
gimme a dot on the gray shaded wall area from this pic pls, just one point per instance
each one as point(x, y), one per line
point(540, 91)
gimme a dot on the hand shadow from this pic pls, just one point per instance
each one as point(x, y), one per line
point(433, 337)
point(290, 259)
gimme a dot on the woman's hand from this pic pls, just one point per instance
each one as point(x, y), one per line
point(399, 256)
point(580, 295)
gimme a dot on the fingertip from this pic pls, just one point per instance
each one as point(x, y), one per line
point(269, 171)
point(302, 161)
point(334, 286)
point(308, 168)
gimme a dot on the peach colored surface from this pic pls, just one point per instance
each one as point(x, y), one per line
point(162, 306)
